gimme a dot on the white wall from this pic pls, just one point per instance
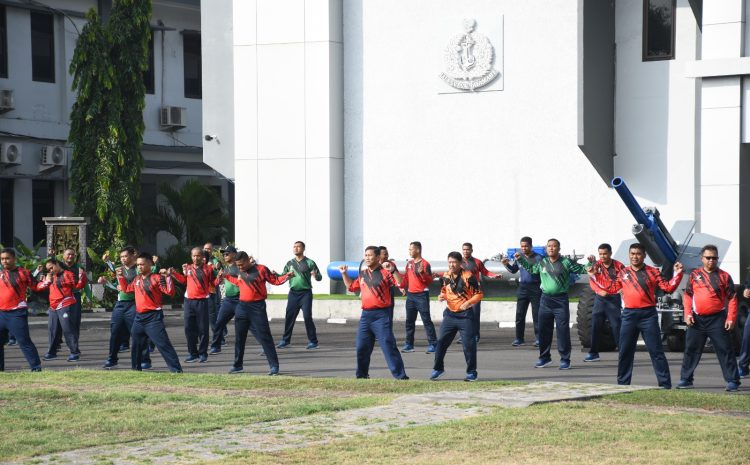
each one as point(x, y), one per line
point(485, 167)
point(655, 115)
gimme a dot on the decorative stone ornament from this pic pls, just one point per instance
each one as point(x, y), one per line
point(469, 59)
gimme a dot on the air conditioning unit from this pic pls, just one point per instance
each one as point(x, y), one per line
point(171, 118)
point(10, 154)
point(51, 156)
point(6, 100)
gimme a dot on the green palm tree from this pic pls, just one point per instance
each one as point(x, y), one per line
point(194, 214)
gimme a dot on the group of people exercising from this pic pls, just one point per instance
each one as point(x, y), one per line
point(235, 288)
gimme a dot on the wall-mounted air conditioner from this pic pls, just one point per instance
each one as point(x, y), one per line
point(51, 156)
point(171, 118)
point(6, 100)
point(10, 154)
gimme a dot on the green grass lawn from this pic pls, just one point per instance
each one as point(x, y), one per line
point(87, 408)
point(95, 408)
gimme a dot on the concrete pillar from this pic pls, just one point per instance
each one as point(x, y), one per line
point(23, 223)
point(720, 142)
point(288, 129)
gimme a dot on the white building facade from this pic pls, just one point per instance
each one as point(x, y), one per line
point(333, 120)
point(38, 42)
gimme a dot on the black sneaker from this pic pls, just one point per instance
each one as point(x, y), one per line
point(192, 359)
point(108, 365)
point(49, 357)
point(235, 370)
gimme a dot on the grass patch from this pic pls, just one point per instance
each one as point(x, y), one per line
point(98, 408)
point(682, 399)
point(580, 433)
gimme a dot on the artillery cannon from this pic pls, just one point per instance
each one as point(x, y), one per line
point(663, 251)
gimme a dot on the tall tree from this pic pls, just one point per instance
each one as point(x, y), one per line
point(107, 121)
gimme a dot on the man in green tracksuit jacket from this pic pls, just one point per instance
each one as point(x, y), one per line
point(554, 308)
point(300, 296)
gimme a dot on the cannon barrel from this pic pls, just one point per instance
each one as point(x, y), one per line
point(649, 230)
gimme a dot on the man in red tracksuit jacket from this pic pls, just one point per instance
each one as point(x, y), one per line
point(477, 268)
point(149, 317)
point(62, 305)
point(417, 279)
point(638, 283)
point(14, 317)
point(200, 279)
point(710, 311)
point(251, 311)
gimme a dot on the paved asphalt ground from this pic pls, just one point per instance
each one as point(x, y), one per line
point(498, 360)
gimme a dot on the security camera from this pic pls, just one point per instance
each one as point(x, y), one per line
point(209, 137)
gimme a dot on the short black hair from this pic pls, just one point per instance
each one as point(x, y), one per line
point(467, 244)
point(710, 247)
point(302, 244)
point(129, 249)
point(417, 244)
point(553, 239)
point(242, 255)
point(146, 256)
point(637, 245)
point(53, 260)
point(9, 251)
point(374, 248)
point(382, 248)
point(604, 246)
point(456, 256)
point(526, 239)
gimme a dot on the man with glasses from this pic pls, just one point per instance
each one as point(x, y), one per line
point(710, 311)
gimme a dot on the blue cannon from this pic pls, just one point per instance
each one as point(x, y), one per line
point(661, 248)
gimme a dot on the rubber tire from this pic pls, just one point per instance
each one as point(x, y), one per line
point(583, 323)
point(676, 341)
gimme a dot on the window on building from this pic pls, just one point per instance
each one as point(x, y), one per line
point(191, 47)
point(6, 212)
point(3, 44)
point(42, 47)
point(42, 204)
point(148, 75)
point(658, 29)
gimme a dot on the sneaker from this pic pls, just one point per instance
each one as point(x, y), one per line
point(124, 348)
point(430, 349)
point(536, 343)
point(203, 359)
point(312, 346)
point(733, 386)
point(565, 364)
point(363, 377)
point(214, 351)
point(108, 365)
point(405, 378)
point(36, 369)
point(48, 356)
point(436, 374)
point(744, 372)
point(283, 345)
point(542, 363)
point(235, 370)
point(146, 366)
point(12, 341)
point(517, 342)
point(192, 359)
point(407, 348)
point(471, 376)
point(685, 384)
point(592, 357)
point(273, 371)
point(74, 357)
